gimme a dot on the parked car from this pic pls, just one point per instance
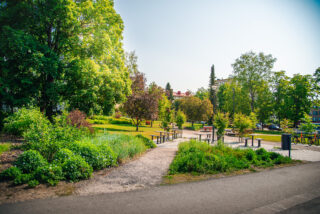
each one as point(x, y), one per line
point(274, 127)
point(258, 126)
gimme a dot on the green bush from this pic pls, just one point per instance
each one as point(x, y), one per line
point(22, 179)
point(10, 173)
point(147, 142)
point(76, 168)
point(29, 161)
point(33, 183)
point(92, 154)
point(199, 157)
point(51, 174)
point(62, 155)
point(21, 120)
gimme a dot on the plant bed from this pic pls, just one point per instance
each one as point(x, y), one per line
point(198, 161)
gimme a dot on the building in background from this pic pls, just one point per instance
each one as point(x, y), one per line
point(315, 114)
point(179, 94)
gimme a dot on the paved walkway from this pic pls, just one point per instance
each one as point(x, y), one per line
point(269, 191)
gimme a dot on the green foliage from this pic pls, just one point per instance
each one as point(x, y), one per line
point(124, 146)
point(199, 157)
point(251, 70)
point(22, 179)
point(93, 155)
point(33, 183)
point(50, 174)
point(10, 173)
point(66, 50)
point(180, 119)
point(221, 122)
point(62, 155)
point(202, 93)
point(147, 142)
point(196, 109)
point(307, 126)
point(21, 120)
point(76, 168)
point(195, 127)
point(284, 124)
point(242, 123)
point(4, 147)
point(29, 161)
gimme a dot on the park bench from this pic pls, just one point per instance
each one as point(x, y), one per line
point(207, 128)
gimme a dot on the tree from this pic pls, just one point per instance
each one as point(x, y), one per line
point(298, 98)
point(180, 119)
point(307, 125)
point(62, 40)
point(142, 103)
point(265, 104)
point(221, 122)
point(157, 93)
point(202, 93)
point(212, 92)
point(169, 92)
point(196, 109)
point(280, 86)
point(250, 70)
point(131, 62)
point(230, 95)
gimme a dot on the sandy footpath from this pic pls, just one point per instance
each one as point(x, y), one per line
point(143, 172)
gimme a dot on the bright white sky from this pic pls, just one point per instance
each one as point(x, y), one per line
point(177, 41)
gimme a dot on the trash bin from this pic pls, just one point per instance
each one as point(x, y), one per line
point(286, 141)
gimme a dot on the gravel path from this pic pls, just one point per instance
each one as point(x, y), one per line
point(143, 172)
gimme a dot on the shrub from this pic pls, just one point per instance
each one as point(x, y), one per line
point(49, 174)
point(10, 173)
point(29, 161)
point(62, 155)
point(33, 183)
point(76, 168)
point(77, 118)
point(21, 120)
point(22, 179)
point(199, 157)
point(147, 142)
point(180, 119)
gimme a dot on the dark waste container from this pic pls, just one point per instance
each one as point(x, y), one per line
point(286, 141)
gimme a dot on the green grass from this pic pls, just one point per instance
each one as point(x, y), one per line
point(4, 147)
point(271, 138)
point(200, 158)
point(268, 132)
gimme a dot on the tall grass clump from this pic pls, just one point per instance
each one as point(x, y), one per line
point(199, 157)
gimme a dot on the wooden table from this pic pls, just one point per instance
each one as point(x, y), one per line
point(200, 134)
point(162, 136)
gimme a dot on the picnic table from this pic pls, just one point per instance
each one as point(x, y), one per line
point(252, 137)
point(162, 136)
point(204, 133)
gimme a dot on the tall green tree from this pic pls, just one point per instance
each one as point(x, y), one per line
point(299, 97)
point(265, 104)
point(280, 86)
point(169, 92)
point(250, 70)
point(212, 91)
point(63, 40)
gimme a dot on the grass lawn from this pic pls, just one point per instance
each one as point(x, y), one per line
point(268, 132)
point(145, 130)
point(271, 138)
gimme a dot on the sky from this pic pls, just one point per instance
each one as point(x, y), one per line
point(177, 41)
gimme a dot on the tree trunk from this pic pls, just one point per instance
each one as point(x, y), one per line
point(137, 127)
point(192, 123)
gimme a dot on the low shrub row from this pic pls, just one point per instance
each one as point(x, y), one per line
point(100, 119)
point(199, 157)
point(59, 151)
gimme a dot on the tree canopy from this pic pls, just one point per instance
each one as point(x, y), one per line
point(58, 51)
